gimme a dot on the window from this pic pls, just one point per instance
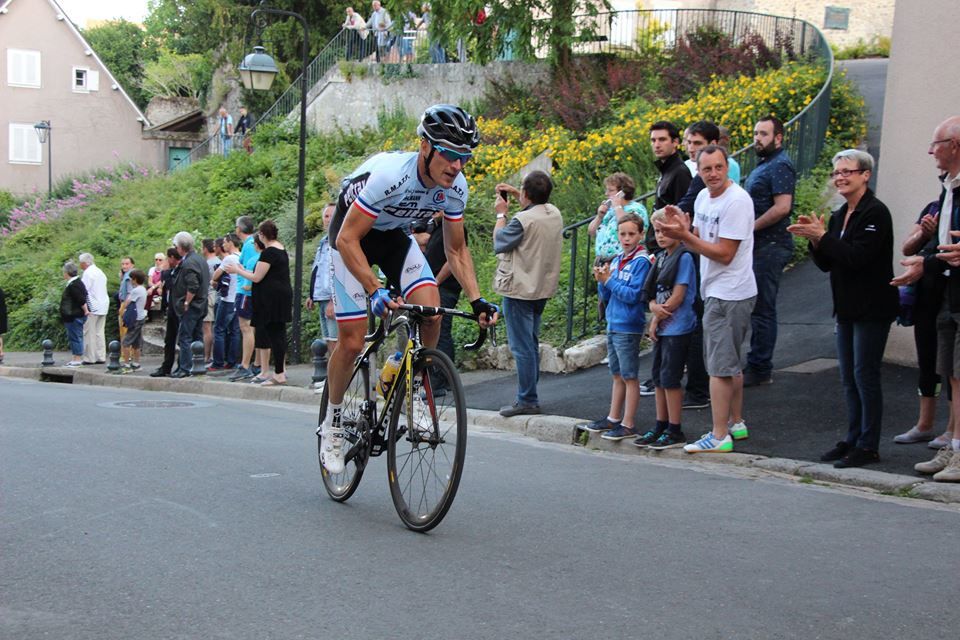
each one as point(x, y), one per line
point(85, 80)
point(24, 144)
point(23, 68)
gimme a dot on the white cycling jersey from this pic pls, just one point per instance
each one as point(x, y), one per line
point(388, 188)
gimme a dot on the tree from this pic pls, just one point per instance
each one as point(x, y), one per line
point(522, 26)
point(125, 49)
point(177, 75)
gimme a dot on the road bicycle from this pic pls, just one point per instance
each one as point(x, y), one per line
point(422, 424)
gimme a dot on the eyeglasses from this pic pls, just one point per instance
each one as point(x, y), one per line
point(936, 142)
point(452, 156)
point(846, 173)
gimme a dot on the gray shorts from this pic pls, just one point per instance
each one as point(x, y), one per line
point(948, 349)
point(211, 307)
point(726, 335)
point(134, 336)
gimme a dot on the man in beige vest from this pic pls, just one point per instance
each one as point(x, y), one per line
point(528, 268)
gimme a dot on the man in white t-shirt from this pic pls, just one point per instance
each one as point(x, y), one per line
point(98, 302)
point(723, 236)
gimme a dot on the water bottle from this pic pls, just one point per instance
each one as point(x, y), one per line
point(389, 372)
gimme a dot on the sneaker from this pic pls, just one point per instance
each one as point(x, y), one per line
point(647, 388)
point(212, 367)
point(690, 402)
point(619, 433)
point(951, 473)
point(668, 440)
point(135, 366)
point(738, 431)
point(74, 363)
point(598, 426)
point(857, 457)
point(941, 441)
point(709, 443)
point(125, 369)
point(332, 439)
point(914, 435)
point(517, 409)
point(753, 379)
point(255, 370)
point(242, 373)
point(937, 464)
point(648, 438)
point(841, 449)
point(159, 372)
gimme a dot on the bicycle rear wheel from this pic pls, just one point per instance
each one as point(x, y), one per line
point(427, 441)
point(342, 485)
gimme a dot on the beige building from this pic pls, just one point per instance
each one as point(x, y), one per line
point(49, 72)
point(843, 22)
point(923, 90)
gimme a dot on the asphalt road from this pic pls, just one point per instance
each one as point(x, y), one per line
point(870, 77)
point(210, 522)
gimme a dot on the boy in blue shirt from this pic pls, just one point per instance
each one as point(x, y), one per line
point(672, 288)
point(620, 284)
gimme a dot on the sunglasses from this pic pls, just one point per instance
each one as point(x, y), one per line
point(452, 156)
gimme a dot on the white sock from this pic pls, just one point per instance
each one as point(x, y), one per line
point(956, 444)
point(332, 409)
point(613, 420)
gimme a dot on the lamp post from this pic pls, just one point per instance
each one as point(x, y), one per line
point(257, 72)
point(45, 134)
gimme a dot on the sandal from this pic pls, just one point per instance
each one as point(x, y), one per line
point(258, 380)
point(272, 382)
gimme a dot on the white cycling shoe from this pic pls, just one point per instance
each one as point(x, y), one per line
point(332, 439)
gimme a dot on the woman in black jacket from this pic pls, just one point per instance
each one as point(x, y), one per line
point(856, 248)
point(74, 312)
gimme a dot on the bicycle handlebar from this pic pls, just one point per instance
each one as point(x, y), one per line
point(427, 312)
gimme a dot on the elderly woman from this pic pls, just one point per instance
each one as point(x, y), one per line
point(856, 248)
point(74, 311)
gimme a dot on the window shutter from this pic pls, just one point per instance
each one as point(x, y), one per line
point(23, 67)
point(24, 144)
point(93, 81)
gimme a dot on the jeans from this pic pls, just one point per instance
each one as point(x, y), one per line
point(860, 348)
point(75, 335)
point(191, 330)
point(523, 334)
point(769, 259)
point(226, 335)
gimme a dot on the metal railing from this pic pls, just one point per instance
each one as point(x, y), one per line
point(629, 33)
point(347, 45)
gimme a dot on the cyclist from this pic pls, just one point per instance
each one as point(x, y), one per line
point(377, 203)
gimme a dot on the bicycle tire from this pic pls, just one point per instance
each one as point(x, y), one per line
point(342, 485)
point(424, 463)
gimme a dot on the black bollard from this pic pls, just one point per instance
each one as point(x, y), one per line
point(47, 353)
point(319, 350)
point(199, 366)
point(113, 355)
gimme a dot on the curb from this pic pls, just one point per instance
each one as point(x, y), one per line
point(545, 428)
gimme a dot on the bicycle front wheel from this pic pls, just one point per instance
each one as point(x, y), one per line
point(427, 441)
point(341, 486)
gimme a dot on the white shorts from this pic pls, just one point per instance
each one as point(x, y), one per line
point(399, 258)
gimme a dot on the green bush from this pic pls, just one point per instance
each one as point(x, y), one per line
point(877, 47)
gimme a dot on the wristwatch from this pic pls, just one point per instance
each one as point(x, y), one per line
point(501, 216)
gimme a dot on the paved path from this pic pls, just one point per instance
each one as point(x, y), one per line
point(870, 76)
point(210, 522)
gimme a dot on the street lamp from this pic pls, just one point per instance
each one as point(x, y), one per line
point(45, 134)
point(257, 72)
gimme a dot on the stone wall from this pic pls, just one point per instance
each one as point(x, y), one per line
point(356, 93)
point(867, 18)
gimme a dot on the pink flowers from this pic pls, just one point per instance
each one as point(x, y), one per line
point(85, 190)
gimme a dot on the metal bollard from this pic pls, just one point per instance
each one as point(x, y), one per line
point(199, 366)
point(47, 353)
point(113, 355)
point(319, 349)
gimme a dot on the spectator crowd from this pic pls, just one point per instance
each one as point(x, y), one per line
point(698, 276)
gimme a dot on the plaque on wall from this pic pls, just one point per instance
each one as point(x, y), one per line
point(836, 18)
